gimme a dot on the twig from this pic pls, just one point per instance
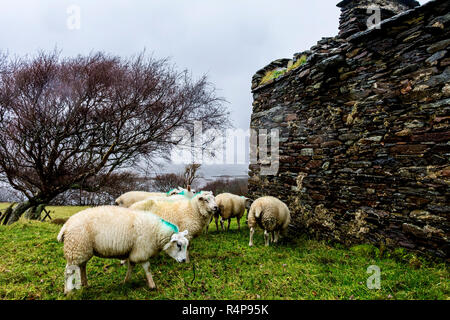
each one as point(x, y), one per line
point(193, 270)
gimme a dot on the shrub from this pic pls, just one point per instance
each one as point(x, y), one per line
point(235, 186)
point(166, 182)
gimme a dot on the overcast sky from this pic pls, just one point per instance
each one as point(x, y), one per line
point(227, 39)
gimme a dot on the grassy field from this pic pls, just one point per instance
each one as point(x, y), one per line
point(32, 267)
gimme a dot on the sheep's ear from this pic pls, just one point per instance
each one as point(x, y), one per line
point(189, 188)
point(184, 233)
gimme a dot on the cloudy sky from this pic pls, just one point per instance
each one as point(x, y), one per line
point(227, 39)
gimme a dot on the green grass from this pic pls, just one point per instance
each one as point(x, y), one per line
point(276, 73)
point(272, 74)
point(300, 61)
point(32, 267)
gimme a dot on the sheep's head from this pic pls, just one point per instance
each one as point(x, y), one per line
point(175, 191)
point(207, 203)
point(189, 193)
point(248, 203)
point(177, 246)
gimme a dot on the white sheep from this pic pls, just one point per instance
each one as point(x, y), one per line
point(188, 214)
point(127, 199)
point(188, 192)
point(272, 215)
point(173, 195)
point(115, 232)
point(230, 206)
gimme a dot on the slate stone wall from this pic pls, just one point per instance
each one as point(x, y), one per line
point(364, 134)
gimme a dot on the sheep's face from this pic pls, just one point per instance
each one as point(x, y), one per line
point(177, 246)
point(207, 203)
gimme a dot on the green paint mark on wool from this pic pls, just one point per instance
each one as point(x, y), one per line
point(170, 225)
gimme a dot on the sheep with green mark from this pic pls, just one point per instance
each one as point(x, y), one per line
point(188, 214)
point(121, 233)
point(127, 199)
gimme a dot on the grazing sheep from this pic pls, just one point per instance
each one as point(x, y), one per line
point(272, 215)
point(230, 206)
point(188, 214)
point(184, 194)
point(114, 232)
point(173, 195)
point(188, 192)
point(127, 199)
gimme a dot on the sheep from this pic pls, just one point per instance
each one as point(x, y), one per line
point(184, 194)
point(272, 215)
point(127, 199)
point(230, 206)
point(190, 214)
point(188, 192)
point(173, 195)
point(115, 232)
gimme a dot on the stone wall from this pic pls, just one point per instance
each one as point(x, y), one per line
point(364, 134)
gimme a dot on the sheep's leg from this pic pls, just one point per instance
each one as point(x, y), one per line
point(272, 236)
point(207, 225)
point(187, 252)
point(72, 277)
point(266, 238)
point(252, 231)
point(150, 282)
point(216, 220)
point(277, 236)
point(221, 224)
point(229, 222)
point(239, 223)
point(84, 281)
point(129, 271)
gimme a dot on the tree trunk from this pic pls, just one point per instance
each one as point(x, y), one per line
point(38, 212)
point(7, 213)
point(18, 212)
point(29, 212)
point(34, 213)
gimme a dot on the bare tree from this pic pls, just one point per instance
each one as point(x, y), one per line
point(70, 123)
point(190, 174)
